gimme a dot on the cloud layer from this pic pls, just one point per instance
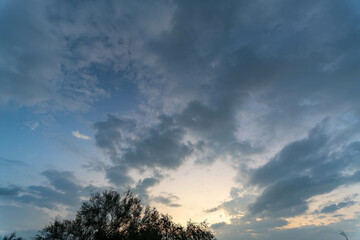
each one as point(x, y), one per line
point(269, 87)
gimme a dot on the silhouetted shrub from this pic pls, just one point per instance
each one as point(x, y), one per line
point(111, 216)
point(12, 237)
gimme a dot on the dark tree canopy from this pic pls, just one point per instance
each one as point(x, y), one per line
point(111, 216)
point(12, 236)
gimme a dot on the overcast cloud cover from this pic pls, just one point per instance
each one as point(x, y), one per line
point(126, 94)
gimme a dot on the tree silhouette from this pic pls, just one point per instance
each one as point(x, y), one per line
point(12, 237)
point(111, 216)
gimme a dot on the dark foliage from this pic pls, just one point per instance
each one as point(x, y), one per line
point(111, 216)
point(12, 237)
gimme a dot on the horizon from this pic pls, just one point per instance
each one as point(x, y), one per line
point(242, 113)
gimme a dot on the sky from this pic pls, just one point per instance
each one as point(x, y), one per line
point(242, 113)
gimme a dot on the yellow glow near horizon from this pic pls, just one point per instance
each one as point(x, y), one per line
point(198, 187)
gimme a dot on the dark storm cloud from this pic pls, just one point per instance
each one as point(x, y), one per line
point(301, 170)
point(334, 207)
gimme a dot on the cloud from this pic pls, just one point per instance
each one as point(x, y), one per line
point(205, 80)
point(334, 207)
point(160, 145)
point(215, 82)
point(303, 169)
point(80, 136)
point(39, 65)
point(109, 135)
point(12, 162)
point(9, 191)
point(251, 231)
point(31, 207)
point(236, 205)
point(167, 199)
point(218, 225)
point(32, 125)
point(270, 73)
point(63, 189)
point(29, 54)
point(142, 186)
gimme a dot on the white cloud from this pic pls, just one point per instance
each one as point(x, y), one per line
point(80, 135)
point(32, 125)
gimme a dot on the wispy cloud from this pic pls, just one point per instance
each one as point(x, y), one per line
point(32, 125)
point(5, 161)
point(79, 135)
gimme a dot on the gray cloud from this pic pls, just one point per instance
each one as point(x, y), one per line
point(50, 49)
point(29, 62)
point(218, 225)
point(63, 189)
point(9, 191)
point(287, 61)
point(109, 135)
point(236, 205)
point(35, 60)
point(248, 229)
point(159, 146)
point(334, 207)
point(12, 162)
point(167, 199)
point(118, 175)
point(163, 143)
point(143, 185)
point(301, 170)
point(235, 231)
point(211, 71)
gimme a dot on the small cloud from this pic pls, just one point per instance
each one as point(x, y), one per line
point(175, 205)
point(211, 210)
point(218, 225)
point(6, 161)
point(167, 199)
point(80, 135)
point(32, 125)
point(334, 207)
